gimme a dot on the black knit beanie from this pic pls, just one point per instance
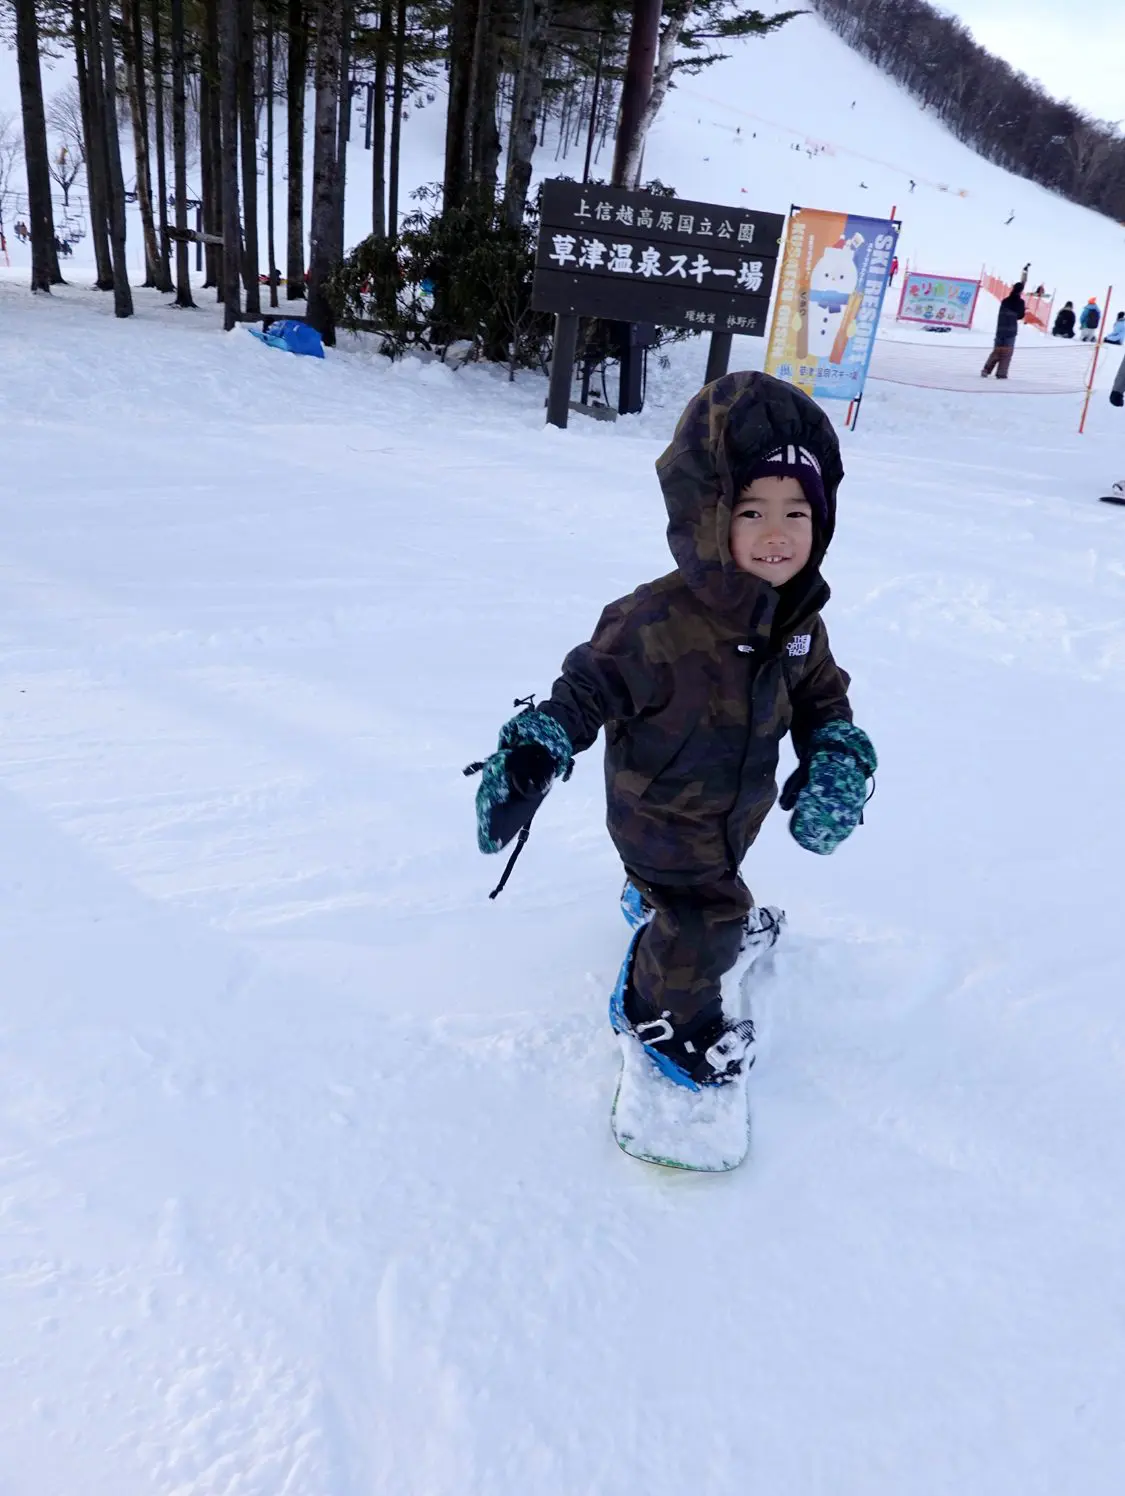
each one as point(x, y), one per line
point(793, 462)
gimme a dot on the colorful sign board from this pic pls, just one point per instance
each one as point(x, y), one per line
point(938, 300)
point(639, 257)
point(832, 282)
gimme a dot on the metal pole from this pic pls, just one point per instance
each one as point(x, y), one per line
point(199, 241)
point(594, 109)
point(718, 356)
point(562, 370)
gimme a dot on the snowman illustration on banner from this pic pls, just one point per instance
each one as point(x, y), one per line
point(833, 300)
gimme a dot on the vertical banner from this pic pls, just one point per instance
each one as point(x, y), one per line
point(832, 281)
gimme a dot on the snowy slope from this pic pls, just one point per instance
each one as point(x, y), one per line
point(731, 131)
point(305, 1165)
point(306, 1180)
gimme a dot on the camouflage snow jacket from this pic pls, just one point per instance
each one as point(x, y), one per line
point(697, 676)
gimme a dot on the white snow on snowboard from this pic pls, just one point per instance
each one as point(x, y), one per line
point(663, 1123)
point(708, 1130)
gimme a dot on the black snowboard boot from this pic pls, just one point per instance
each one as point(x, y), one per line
point(705, 1050)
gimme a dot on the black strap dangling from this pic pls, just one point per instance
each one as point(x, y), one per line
point(521, 842)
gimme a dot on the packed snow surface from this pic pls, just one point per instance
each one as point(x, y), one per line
point(307, 1184)
point(306, 1172)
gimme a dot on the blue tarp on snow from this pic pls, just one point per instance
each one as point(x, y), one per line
point(293, 336)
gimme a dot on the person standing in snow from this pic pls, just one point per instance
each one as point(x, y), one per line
point(1116, 494)
point(1008, 320)
point(1089, 320)
point(1064, 322)
point(696, 678)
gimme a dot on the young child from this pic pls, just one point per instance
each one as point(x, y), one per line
point(696, 677)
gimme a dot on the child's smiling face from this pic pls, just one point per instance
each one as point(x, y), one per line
point(771, 530)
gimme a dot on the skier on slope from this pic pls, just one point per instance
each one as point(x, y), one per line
point(696, 678)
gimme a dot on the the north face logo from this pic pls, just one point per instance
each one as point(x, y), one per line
point(799, 644)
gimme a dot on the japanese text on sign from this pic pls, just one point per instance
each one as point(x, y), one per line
point(618, 259)
point(629, 256)
point(938, 300)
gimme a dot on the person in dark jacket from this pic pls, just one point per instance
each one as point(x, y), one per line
point(696, 678)
point(1008, 320)
point(1064, 322)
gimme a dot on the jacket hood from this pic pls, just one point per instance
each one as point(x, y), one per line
point(731, 424)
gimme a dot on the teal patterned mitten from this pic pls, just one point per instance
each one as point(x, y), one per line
point(829, 806)
point(533, 751)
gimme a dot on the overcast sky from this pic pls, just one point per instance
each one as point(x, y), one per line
point(1077, 50)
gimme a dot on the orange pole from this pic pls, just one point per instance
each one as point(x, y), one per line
point(1094, 365)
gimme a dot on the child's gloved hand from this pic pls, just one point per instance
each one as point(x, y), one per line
point(533, 751)
point(1116, 397)
point(828, 791)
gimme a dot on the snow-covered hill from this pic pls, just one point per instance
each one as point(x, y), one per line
point(306, 1180)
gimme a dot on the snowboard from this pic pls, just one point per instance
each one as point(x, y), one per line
point(1113, 498)
point(706, 1130)
point(653, 1119)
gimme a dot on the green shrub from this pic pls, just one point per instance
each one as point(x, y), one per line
point(464, 274)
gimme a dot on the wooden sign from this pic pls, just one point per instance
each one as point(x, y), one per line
point(637, 257)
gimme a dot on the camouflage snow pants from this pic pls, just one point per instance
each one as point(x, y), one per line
point(692, 941)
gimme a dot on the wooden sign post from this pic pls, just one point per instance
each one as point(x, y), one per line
point(635, 257)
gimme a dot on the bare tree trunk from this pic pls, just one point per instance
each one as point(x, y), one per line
point(458, 123)
point(396, 118)
point(133, 47)
point(228, 159)
point(329, 19)
point(44, 257)
point(486, 135)
point(661, 79)
point(85, 57)
point(295, 205)
point(179, 152)
point(211, 141)
point(249, 136)
point(637, 88)
point(344, 128)
point(379, 125)
point(528, 94)
point(271, 250)
point(164, 273)
point(122, 293)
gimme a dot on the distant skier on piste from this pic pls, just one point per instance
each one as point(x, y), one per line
point(696, 678)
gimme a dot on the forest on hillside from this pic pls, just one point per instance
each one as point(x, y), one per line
point(174, 93)
point(200, 113)
point(1002, 114)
